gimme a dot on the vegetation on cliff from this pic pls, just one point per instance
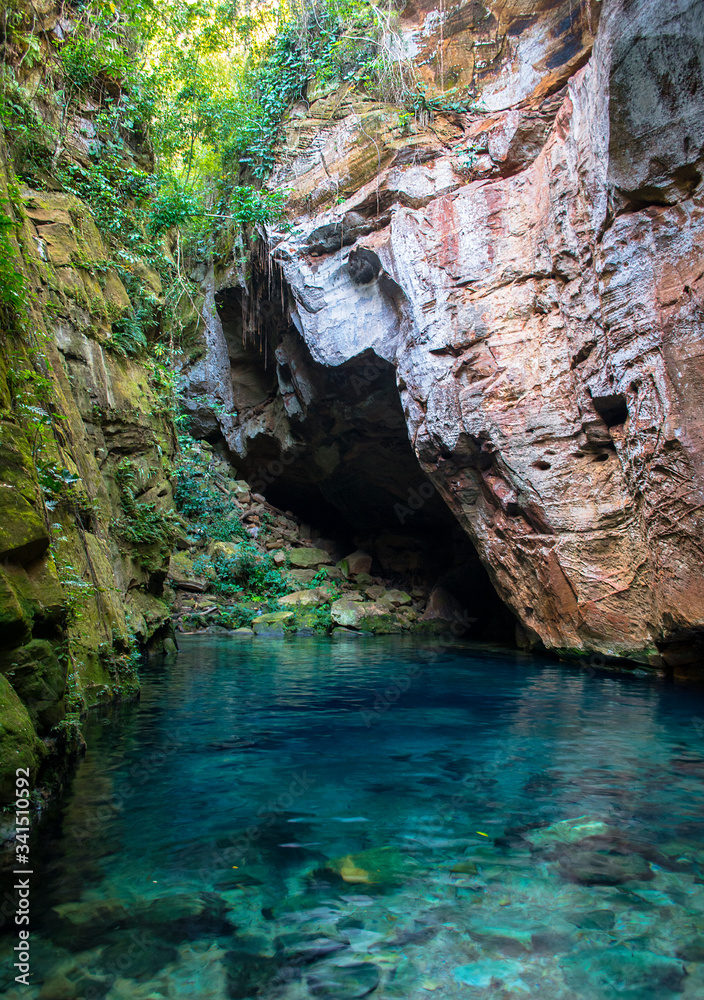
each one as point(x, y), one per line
point(137, 139)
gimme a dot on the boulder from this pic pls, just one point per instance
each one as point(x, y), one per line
point(240, 490)
point(392, 597)
point(385, 866)
point(301, 576)
point(568, 831)
point(379, 618)
point(306, 598)
point(333, 572)
point(222, 550)
point(369, 616)
point(343, 982)
point(86, 922)
point(356, 562)
point(587, 867)
point(305, 558)
point(444, 607)
point(347, 612)
point(272, 623)
point(183, 576)
point(620, 970)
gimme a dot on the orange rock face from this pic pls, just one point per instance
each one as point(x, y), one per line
point(539, 292)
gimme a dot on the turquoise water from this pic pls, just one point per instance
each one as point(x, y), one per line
point(290, 819)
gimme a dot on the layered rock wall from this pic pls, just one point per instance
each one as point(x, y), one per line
point(533, 272)
point(76, 593)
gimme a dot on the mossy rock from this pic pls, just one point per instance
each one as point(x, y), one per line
point(148, 613)
point(39, 679)
point(183, 575)
point(309, 557)
point(116, 297)
point(310, 620)
point(385, 867)
point(60, 241)
point(377, 619)
point(23, 534)
point(148, 277)
point(39, 592)
point(19, 744)
point(306, 598)
point(15, 619)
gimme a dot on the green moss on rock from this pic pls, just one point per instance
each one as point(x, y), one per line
point(15, 621)
point(39, 679)
point(19, 744)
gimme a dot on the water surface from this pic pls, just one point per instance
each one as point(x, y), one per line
point(309, 818)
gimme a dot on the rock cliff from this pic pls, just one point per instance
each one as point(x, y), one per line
point(86, 437)
point(531, 273)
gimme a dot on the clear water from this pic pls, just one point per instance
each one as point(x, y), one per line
point(289, 819)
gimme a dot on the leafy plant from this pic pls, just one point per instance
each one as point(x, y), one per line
point(198, 495)
point(320, 619)
point(142, 523)
point(56, 482)
point(13, 296)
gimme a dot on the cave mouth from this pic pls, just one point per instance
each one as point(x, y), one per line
point(330, 445)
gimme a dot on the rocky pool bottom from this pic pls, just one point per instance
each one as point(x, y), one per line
point(312, 818)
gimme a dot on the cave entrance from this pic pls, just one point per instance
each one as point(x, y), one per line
point(330, 445)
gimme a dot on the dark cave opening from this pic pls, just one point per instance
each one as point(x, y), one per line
point(330, 445)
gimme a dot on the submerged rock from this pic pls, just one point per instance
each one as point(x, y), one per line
point(345, 982)
point(568, 831)
point(80, 924)
point(604, 868)
point(618, 972)
point(137, 955)
point(381, 866)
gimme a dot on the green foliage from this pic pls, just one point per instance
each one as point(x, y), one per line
point(128, 337)
point(86, 58)
point(30, 137)
point(319, 619)
point(249, 571)
point(423, 104)
point(129, 333)
point(77, 592)
point(56, 482)
point(173, 206)
point(142, 523)
point(201, 496)
point(13, 296)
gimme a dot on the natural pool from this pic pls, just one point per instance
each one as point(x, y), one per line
point(312, 818)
